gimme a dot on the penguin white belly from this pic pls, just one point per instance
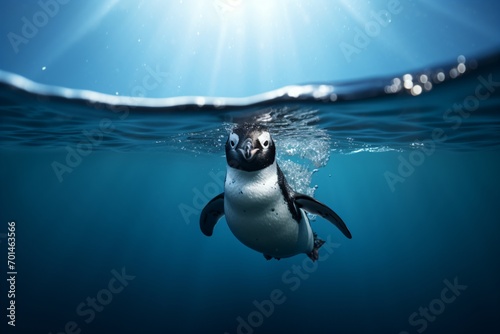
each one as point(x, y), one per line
point(258, 214)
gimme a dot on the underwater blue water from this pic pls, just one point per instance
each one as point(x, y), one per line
point(113, 121)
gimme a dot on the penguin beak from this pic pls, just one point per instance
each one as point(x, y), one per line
point(247, 150)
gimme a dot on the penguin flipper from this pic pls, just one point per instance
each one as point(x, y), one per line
point(315, 207)
point(211, 214)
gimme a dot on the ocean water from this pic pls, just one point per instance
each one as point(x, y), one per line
point(100, 186)
point(101, 190)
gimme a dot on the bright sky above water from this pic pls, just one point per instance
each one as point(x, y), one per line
point(234, 47)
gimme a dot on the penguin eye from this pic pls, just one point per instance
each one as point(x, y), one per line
point(233, 139)
point(265, 139)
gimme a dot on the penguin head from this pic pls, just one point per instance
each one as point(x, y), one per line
point(250, 148)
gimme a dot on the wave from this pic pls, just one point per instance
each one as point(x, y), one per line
point(393, 113)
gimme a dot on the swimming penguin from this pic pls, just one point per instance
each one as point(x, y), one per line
point(262, 210)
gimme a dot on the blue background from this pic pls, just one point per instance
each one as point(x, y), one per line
point(122, 209)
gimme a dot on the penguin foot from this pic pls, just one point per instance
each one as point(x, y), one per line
point(314, 254)
point(268, 257)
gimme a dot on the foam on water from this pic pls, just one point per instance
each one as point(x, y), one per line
point(302, 146)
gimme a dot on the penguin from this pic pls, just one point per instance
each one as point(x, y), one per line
point(262, 210)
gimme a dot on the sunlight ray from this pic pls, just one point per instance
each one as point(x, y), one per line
point(98, 14)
